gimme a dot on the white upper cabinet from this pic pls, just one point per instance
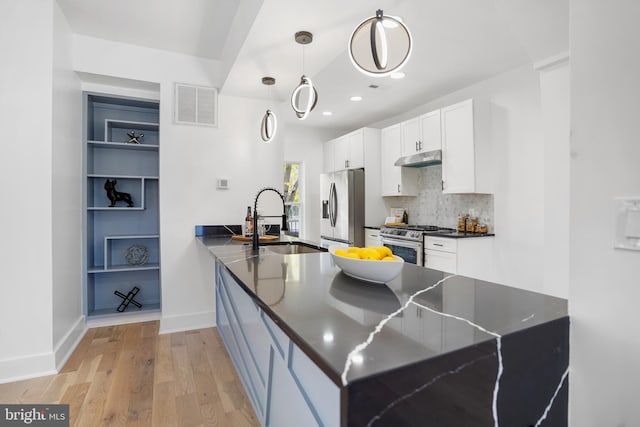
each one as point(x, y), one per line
point(328, 156)
point(345, 152)
point(421, 134)
point(430, 131)
point(395, 180)
point(458, 149)
point(410, 136)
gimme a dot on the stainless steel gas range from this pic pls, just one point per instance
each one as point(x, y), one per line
point(406, 241)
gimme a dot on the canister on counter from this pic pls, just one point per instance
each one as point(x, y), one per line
point(462, 223)
point(471, 225)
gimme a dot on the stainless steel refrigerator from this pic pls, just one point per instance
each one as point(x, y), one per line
point(342, 200)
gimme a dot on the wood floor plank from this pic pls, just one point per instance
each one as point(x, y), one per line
point(128, 375)
point(74, 397)
point(182, 371)
point(164, 404)
point(187, 411)
point(164, 360)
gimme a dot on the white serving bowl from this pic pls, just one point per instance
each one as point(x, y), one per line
point(369, 270)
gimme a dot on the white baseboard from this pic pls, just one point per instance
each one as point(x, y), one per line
point(69, 342)
point(26, 367)
point(187, 322)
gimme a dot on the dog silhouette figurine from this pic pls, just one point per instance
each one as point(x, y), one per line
point(115, 196)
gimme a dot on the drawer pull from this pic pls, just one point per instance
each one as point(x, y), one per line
point(438, 244)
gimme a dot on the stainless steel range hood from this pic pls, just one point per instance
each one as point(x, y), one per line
point(418, 160)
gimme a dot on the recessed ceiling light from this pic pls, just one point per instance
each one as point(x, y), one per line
point(355, 98)
point(327, 113)
point(398, 75)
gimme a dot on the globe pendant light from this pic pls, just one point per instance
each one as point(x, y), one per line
point(305, 89)
point(269, 125)
point(380, 45)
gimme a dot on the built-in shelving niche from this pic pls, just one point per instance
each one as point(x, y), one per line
point(111, 231)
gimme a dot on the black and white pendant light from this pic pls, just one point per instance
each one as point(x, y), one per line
point(380, 45)
point(304, 97)
point(269, 125)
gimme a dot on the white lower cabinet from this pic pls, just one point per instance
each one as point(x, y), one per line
point(372, 237)
point(284, 386)
point(441, 254)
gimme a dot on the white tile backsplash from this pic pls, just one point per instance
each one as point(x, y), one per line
point(431, 207)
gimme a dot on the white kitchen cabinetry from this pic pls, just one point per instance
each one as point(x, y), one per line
point(328, 156)
point(410, 130)
point(430, 131)
point(440, 253)
point(421, 134)
point(372, 237)
point(464, 162)
point(346, 152)
point(396, 180)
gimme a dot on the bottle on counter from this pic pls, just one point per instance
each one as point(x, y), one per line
point(405, 217)
point(248, 223)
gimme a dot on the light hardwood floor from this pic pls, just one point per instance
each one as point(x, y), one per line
point(128, 375)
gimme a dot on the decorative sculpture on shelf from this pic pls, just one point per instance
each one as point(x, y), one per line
point(137, 255)
point(115, 196)
point(133, 139)
point(128, 299)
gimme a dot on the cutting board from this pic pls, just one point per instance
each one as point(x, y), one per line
point(248, 239)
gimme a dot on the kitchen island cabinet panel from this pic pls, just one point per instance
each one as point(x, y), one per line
point(283, 384)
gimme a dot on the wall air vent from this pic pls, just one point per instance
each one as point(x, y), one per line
point(196, 105)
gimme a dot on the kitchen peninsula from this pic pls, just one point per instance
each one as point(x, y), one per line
point(316, 347)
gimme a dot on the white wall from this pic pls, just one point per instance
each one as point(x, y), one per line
point(191, 160)
point(66, 188)
point(25, 171)
point(554, 91)
point(605, 158)
point(304, 145)
point(508, 115)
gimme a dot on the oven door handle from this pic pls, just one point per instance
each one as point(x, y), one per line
point(402, 243)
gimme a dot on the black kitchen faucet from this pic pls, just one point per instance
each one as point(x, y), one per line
point(284, 227)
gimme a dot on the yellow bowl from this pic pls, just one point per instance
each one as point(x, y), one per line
point(369, 270)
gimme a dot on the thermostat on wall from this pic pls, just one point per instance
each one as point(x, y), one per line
point(627, 223)
point(223, 184)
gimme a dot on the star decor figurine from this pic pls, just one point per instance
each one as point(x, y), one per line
point(133, 139)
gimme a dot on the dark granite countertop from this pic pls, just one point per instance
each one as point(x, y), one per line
point(458, 235)
point(329, 314)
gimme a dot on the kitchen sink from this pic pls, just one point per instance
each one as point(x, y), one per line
point(289, 248)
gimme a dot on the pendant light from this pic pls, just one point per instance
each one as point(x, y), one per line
point(269, 124)
point(380, 45)
point(305, 87)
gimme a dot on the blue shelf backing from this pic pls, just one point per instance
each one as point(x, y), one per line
point(111, 231)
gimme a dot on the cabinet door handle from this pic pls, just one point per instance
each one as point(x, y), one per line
point(398, 188)
point(416, 145)
point(420, 145)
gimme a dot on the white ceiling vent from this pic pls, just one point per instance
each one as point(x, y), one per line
point(196, 105)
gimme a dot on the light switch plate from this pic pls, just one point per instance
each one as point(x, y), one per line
point(627, 223)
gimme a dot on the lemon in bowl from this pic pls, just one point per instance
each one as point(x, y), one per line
point(374, 264)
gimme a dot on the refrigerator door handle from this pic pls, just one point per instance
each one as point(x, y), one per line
point(331, 204)
point(334, 204)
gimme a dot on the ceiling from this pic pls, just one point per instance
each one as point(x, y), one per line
point(456, 43)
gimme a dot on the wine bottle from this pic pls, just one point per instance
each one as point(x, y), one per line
point(248, 223)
